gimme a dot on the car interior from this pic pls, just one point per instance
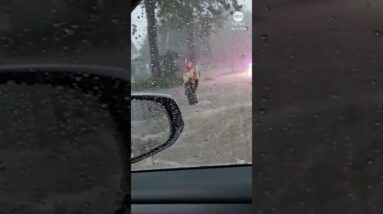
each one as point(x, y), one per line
point(224, 189)
point(208, 189)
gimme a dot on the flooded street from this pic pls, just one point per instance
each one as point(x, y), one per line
point(217, 129)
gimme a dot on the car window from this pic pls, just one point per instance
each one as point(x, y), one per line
point(58, 147)
point(318, 97)
point(198, 52)
point(64, 31)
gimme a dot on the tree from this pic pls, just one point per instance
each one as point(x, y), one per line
point(169, 62)
point(150, 6)
point(184, 15)
point(144, 50)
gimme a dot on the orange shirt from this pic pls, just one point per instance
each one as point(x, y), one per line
point(190, 76)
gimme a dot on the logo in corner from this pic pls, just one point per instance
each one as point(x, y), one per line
point(238, 23)
point(238, 16)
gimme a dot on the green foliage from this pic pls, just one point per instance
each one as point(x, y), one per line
point(168, 81)
point(197, 18)
point(169, 76)
point(211, 13)
point(169, 62)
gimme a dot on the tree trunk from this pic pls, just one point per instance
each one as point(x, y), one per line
point(152, 37)
point(205, 51)
point(190, 36)
point(167, 47)
point(190, 45)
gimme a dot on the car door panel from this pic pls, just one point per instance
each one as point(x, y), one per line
point(191, 208)
point(199, 190)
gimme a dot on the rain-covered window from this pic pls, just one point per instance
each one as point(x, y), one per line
point(64, 31)
point(198, 52)
point(59, 151)
point(318, 131)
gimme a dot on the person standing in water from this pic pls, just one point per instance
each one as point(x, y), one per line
point(191, 80)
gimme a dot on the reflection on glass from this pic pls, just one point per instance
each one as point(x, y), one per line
point(59, 152)
point(150, 126)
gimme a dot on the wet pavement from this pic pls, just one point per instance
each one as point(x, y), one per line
point(217, 129)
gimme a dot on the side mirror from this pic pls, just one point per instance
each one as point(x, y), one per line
point(61, 124)
point(156, 124)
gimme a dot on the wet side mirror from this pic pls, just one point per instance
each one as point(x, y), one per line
point(63, 138)
point(156, 124)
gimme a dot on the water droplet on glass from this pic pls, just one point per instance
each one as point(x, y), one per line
point(11, 82)
point(3, 168)
point(262, 111)
point(292, 36)
point(68, 31)
point(370, 162)
point(78, 78)
point(260, 211)
point(264, 37)
point(377, 33)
